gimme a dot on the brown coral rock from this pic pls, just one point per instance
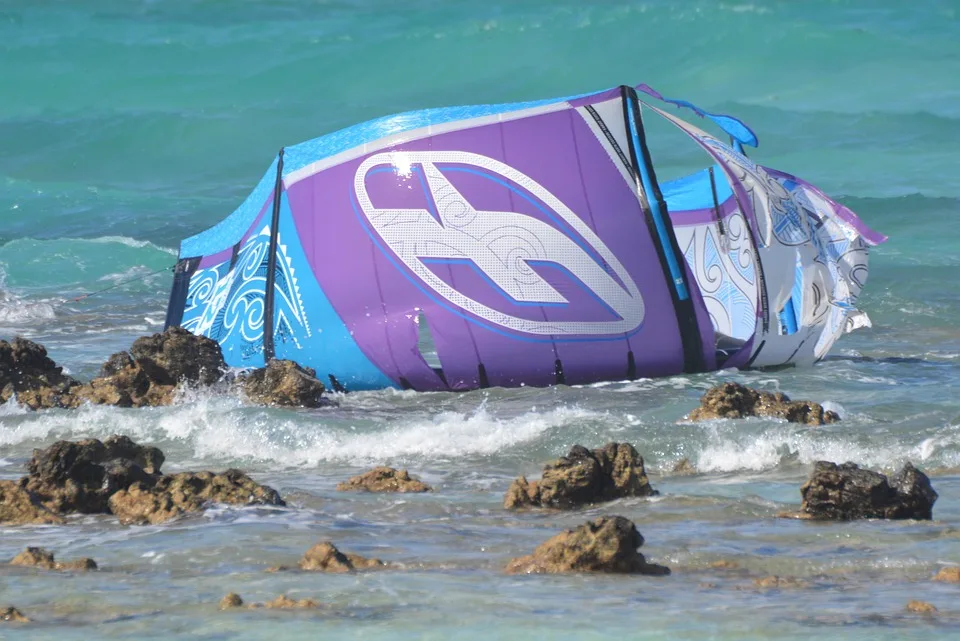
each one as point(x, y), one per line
point(325, 557)
point(27, 372)
point(607, 544)
point(582, 477)
point(177, 494)
point(732, 400)
point(19, 507)
point(846, 492)
point(384, 479)
point(285, 383)
point(949, 574)
point(283, 602)
point(12, 615)
point(232, 600)
point(921, 607)
point(41, 558)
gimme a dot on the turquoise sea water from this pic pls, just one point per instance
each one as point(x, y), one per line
point(126, 126)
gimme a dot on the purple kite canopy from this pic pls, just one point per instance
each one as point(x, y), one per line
point(522, 244)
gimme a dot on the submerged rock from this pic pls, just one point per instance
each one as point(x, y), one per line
point(607, 544)
point(384, 479)
point(732, 400)
point(921, 607)
point(949, 574)
point(41, 558)
point(232, 600)
point(683, 467)
point(19, 507)
point(779, 582)
point(283, 602)
point(27, 372)
point(845, 492)
point(582, 477)
point(148, 375)
point(284, 383)
point(172, 495)
point(81, 476)
point(325, 557)
point(12, 615)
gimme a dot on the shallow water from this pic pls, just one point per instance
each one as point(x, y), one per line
point(128, 126)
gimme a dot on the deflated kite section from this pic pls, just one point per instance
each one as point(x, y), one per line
point(522, 244)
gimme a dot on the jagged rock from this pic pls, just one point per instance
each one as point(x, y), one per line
point(232, 600)
point(949, 574)
point(176, 494)
point(81, 476)
point(732, 400)
point(12, 615)
point(284, 383)
point(607, 544)
point(383, 479)
point(325, 557)
point(581, 477)
point(148, 375)
point(19, 507)
point(845, 492)
point(27, 372)
point(41, 558)
point(683, 467)
point(283, 602)
point(921, 607)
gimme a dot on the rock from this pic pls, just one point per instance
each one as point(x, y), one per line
point(384, 479)
point(148, 375)
point(607, 544)
point(845, 492)
point(779, 582)
point(41, 558)
point(27, 372)
point(582, 477)
point(921, 607)
point(286, 384)
point(684, 467)
point(173, 495)
point(232, 600)
point(12, 615)
point(325, 557)
point(724, 564)
point(283, 602)
point(19, 507)
point(81, 476)
point(949, 574)
point(732, 400)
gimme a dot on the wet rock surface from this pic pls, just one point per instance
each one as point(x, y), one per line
point(606, 544)
point(12, 615)
point(173, 495)
point(27, 372)
point(583, 477)
point(148, 375)
point(40, 558)
point(230, 601)
point(325, 557)
point(233, 600)
point(285, 384)
point(921, 607)
point(846, 492)
point(949, 574)
point(384, 479)
point(81, 476)
point(118, 476)
point(732, 400)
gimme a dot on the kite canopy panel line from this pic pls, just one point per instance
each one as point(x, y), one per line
point(524, 244)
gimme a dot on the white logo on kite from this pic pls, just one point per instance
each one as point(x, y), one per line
point(501, 244)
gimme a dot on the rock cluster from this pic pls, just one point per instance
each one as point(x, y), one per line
point(12, 615)
point(149, 375)
point(383, 479)
point(325, 557)
point(845, 492)
point(41, 558)
point(282, 602)
point(582, 477)
point(732, 400)
point(118, 476)
point(285, 384)
point(607, 544)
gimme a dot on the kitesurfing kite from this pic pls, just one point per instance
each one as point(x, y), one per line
point(524, 244)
